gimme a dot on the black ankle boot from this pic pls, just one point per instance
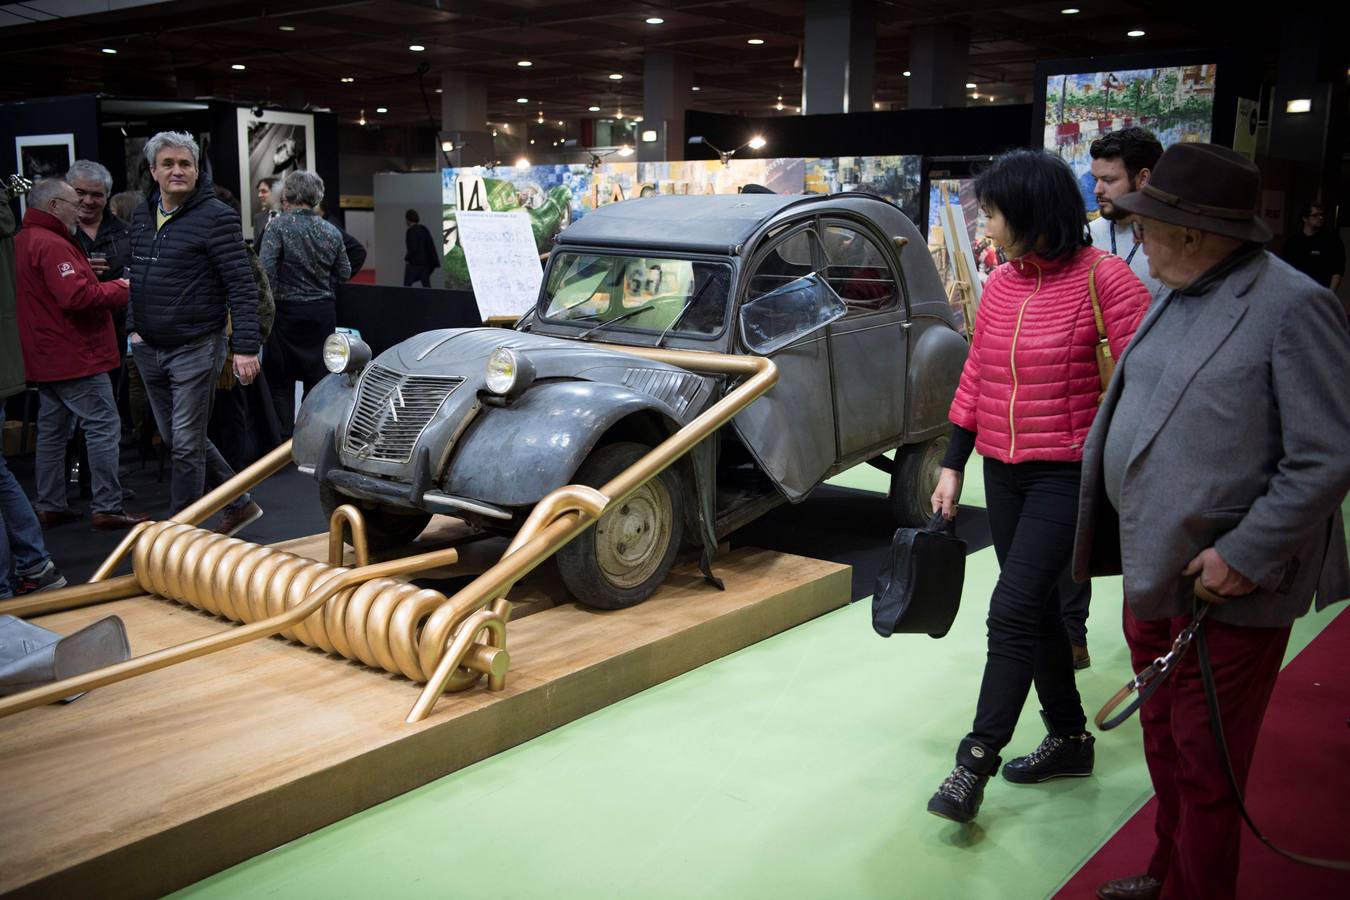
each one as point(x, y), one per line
point(1058, 756)
point(958, 797)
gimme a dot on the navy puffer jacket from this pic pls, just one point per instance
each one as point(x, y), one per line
point(187, 275)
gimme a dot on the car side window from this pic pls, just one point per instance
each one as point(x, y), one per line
point(858, 270)
point(788, 260)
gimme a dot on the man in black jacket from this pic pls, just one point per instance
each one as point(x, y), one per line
point(421, 257)
point(189, 268)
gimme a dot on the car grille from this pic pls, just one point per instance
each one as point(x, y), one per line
point(392, 411)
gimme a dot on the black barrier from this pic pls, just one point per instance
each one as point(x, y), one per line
point(386, 315)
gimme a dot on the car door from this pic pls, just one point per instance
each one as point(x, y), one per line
point(790, 430)
point(868, 347)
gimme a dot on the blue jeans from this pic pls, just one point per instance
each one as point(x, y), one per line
point(181, 385)
point(21, 548)
point(88, 401)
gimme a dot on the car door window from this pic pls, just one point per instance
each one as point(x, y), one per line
point(791, 258)
point(858, 270)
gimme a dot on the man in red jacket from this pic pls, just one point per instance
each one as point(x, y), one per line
point(69, 346)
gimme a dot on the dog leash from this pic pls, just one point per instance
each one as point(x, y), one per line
point(1145, 683)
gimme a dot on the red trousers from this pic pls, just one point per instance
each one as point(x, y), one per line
point(1198, 825)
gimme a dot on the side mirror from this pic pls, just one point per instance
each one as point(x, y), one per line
point(772, 321)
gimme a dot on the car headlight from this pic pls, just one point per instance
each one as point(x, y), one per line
point(344, 353)
point(508, 373)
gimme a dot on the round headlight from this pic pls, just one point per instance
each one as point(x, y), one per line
point(508, 373)
point(344, 353)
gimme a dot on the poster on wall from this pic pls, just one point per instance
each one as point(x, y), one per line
point(710, 176)
point(1176, 103)
point(270, 145)
point(502, 259)
point(897, 178)
point(43, 156)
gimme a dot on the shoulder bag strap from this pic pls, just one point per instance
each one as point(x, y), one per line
point(1106, 364)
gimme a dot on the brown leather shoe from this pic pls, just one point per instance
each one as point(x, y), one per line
point(52, 518)
point(1134, 887)
point(232, 520)
point(116, 521)
point(1081, 660)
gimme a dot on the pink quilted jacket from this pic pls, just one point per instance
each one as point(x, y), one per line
point(1029, 389)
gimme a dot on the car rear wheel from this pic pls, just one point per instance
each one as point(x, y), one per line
point(913, 480)
point(385, 528)
point(623, 559)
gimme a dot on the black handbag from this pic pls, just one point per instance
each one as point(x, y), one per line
point(920, 591)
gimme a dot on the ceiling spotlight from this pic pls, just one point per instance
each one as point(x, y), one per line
point(382, 109)
point(649, 136)
point(416, 48)
point(656, 20)
point(615, 76)
point(1070, 11)
point(1302, 105)
point(593, 109)
point(524, 63)
point(523, 163)
point(779, 105)
point(347, 79)
point(696, 88)
point(619, 113)
point(522, 99)
point(447, 146)
point(756, 143)
point(1135, 33)
point(637, 118)
point(438, 90)
point(494, 132)
point(560, 121)
point(755, 41)
point(970, 85)
point(238, 67)
point(531, 140)
point(285, 27)
point(110, 51)
point(906, 73)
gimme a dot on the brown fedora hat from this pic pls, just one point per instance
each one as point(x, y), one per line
point(1202, 186)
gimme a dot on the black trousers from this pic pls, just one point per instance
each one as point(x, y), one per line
point(1033, 508)
point(295, 353)
point(413, 273)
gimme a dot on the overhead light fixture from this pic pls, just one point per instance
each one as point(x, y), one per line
point(382, 109)
point(906, 73)
point(649, 136)
point(347, 79)
point(238, 67)
point(655, 20)
point(531, 140)
point(522, 99)
point(494, 132)
point(1302, 105)
point(756, 143)
point(416, 48)
point(970, 85)
point(755, 41)
point(1136, 33)
point(637, 118)
point(1070, 11)
point(285, 28)
point(438, 90)
point(110, 51)
point(779, 105)
point(696, 88)
point(615, 76)
point(447, 146)
point(625, 150)
point(875, 106)
point(524, 63)
point(522, 163)
point(592, 109)
point(362, 119)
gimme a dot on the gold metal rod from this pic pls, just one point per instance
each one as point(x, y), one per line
point(41, 696)
point(214, 501)
point(120, 553)
point(356, 523)
point(484, 618)
point(72, 597)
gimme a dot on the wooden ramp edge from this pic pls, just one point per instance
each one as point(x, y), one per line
point(143, 787)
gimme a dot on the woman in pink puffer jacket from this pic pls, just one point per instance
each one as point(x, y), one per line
point(1026, 400)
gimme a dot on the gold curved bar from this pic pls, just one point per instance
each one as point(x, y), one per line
point(118, 588)
point(120, 553)
point(356, 524)
point(273, 461)
point(454, 657)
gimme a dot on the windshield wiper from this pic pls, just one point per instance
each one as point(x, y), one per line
point(618, 318)
point(684, 309)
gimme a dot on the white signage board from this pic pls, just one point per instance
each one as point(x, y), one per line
point(503, 262)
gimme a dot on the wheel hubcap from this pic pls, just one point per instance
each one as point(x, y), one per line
point(631, 541)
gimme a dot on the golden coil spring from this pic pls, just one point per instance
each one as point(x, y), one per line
point(377, 623)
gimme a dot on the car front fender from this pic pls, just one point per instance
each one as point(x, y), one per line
point(513, 455)
point(936, 358)
point(322, 415)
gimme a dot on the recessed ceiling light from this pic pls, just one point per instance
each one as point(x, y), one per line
point(347, 79)
point(524, 63)
point(970, 85)
point(531, 140)
point(285, 27)
point(656, 20)
point(593, 109)
point(522, 99)
point(238, 67)
point(755, 41)
point(615, 76)
point(110, 51)
point(416, 48)
point(439, 91)
point(696, 88)
point(906, 73)
point(1135, 33)
point(1070, 11)
point(382, 109)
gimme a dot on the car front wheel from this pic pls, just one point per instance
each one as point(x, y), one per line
point(623, 559)
point(913, 480)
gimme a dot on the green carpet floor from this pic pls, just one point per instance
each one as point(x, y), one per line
point(796, 768)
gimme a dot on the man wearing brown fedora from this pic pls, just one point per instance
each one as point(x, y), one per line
point(1218, 454)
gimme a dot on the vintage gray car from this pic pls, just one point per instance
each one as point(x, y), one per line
point(481, 423)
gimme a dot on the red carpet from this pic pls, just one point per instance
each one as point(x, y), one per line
point(1298, 792)
point(365, 276)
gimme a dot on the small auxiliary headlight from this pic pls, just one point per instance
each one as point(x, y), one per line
point(508, 373)
point(344, 353)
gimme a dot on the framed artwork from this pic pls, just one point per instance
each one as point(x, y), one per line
point(270, 145)
point(43, 156)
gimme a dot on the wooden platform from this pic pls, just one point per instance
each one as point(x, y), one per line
point(149, 785)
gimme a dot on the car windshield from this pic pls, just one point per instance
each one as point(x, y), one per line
point(648, 293)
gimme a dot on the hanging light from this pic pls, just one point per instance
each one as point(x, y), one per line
point(779, 105)
point(522, 163)
point(362, 120)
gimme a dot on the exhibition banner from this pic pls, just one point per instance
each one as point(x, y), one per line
point(503, 263)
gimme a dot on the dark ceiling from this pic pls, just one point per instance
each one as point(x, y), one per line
point(297, 53)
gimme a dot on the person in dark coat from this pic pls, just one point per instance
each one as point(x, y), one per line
point(421, 258)
point(356, 251)
point(188, 269)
